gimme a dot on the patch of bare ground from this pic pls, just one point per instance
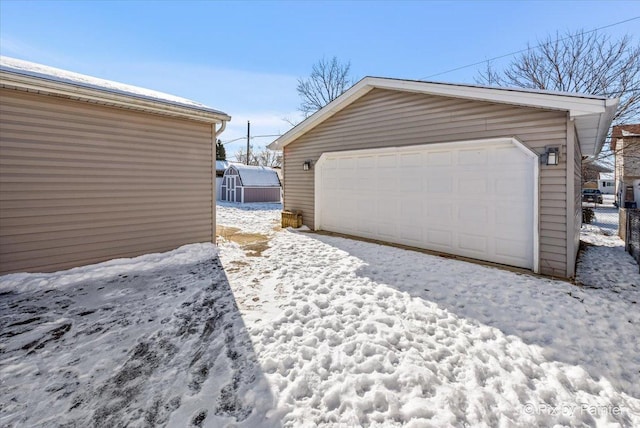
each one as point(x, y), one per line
point(253, 243)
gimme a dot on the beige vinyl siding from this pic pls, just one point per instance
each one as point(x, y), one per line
point(384, 118)
point(82, 183)
point(577, 200)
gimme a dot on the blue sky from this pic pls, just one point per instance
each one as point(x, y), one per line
point(245, 57)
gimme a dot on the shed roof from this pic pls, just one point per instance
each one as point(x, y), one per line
point(257, 176)
point(222, 165)
point(30, 76)
point(592, 114)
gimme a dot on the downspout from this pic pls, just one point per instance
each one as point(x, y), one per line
point(573, 227)
point(214, 133)
point(219, 131)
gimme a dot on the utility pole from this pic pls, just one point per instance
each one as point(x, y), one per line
point(248, 137)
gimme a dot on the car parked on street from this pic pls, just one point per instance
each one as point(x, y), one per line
point(592, 195)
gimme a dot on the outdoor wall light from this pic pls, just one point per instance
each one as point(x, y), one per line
point(551, 155)
point(306, 165)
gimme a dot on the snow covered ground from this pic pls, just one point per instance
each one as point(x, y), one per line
point(287, 328)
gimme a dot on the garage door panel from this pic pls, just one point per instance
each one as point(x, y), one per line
point(388, 231)
point(509, 247)
point(411, 186)
point(388, 210)
point(474, 200)
point(366, 162)
point(473, 244)
point(411, 160)
point(442, 185)
point(504, 186)
point(472, 187)
point(410, 208)
point(474, 216)
point(387, 161)
point(440, 239)
point(329, 182)
point(439, 158)
point(470, 157)
point(410, 234)
point(506, 156)
point(439, 212)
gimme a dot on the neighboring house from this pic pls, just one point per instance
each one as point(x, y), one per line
point(607, 183)
point(247, 183)
point(94, 170)
point(625, 144)
point(591, 171)
point(456, 169)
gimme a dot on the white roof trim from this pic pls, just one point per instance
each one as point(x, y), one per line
point(596, 112)
point(32, 77)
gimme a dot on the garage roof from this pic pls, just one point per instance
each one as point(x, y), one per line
point(29, 76)
point(592, 114)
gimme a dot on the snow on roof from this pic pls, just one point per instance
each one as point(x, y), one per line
point(629, 134)
point(27, 68)
point(221, 165)
point(606, 176)
point(260, 176)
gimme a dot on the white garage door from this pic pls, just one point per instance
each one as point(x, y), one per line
point(475, 199)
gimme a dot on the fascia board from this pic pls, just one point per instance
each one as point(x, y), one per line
point(575, 105)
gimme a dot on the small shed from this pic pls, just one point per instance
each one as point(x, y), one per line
point(248, 183)
point(221, 167)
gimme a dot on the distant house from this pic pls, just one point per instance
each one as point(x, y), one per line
point(247, 183)
point(486, 173)
point(94, 170)
point(625, 144)
point(607, 183)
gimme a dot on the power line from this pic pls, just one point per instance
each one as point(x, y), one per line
point(529, 48)
point(252, 137)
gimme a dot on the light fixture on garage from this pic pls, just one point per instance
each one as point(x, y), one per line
point(551, 155)
point(306, 166)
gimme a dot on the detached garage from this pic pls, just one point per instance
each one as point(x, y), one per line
point(486, 173)
point(92, 170)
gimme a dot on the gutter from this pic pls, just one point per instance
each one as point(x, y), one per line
point(610, 108)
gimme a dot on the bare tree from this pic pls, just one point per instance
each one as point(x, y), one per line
point(260, 157)
point(328, 79)
point(241, 156)
point(584, 62)
point(270, 158)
